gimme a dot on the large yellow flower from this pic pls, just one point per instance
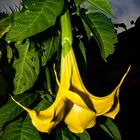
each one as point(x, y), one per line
point(47, 119)
point(84, 106)
point(73, 102)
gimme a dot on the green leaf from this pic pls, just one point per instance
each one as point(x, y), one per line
point(87, 29)
point(36, 17)
point(42, 105)
point(103, 31)
point(20, 130)
point(78, 2)
point(64, 134)
point(67, 135)
point(103, 5)
point(110, 128)
point(26, 66)
point(84, 136)
point(50, 47)
point(11, 110)
point(5, 25)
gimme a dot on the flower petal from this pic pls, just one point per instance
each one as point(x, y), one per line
point(101, 104)
point(78, 119)
point(47, 119)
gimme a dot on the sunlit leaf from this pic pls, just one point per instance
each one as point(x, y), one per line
point(103, 31)
point(26, 67)
point(11, 110)
point(78, 2)
point(103, 5)
point(20, 130)
point(110, 128)
point(35, 17)
point(5, 25)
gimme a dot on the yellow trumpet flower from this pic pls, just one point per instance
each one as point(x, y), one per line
point(73, 103)
point(47, 119)
point(85, 106)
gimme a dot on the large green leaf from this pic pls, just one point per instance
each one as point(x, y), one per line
point(37, 16)
point(5, 25)
point(64, 134)
point(20, 130)
point(103, 5)
point(78, 2)
point(103, 31)
point(84, 136)
point(26, 66)
point(110, 128)
point(43, 104)
point(50, 46)
point(11, 110)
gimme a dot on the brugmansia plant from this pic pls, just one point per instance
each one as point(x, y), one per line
point(40, 48)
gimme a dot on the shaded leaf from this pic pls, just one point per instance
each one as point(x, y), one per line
point(67, 135)
point(84, 136)
point(64, 134)
point(47, 83)
point(26, 66)
point(87, 29)
point(50, 47)
point(11, 110)
point(20, 130)
point(3, 86)
point(35, 17)
point(42, 105)
point(83, 51)
point(110, 128)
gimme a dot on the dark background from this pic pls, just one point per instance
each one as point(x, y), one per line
point(105, 77)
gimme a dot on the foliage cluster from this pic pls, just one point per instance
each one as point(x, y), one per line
point(30, 44)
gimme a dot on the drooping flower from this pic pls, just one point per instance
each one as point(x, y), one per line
point(73, 103)
point(46, 120)
point(84, 105)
